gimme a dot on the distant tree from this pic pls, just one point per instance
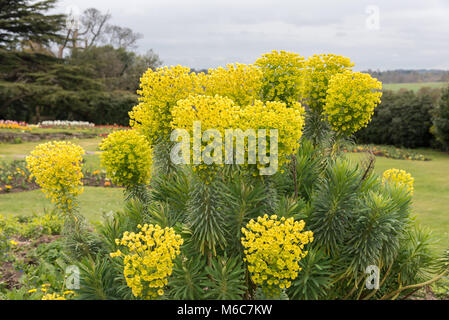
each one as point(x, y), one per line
point(441, 120)
point(120, 69)
point(121, 37)
point(140, 64)
point(434, 93)
point(93, 29)
point(25, 20)
point(402, 119)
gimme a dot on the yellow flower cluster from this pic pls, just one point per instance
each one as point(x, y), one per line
point(8, 124)
point(57, 168)
point(239, 82)
point(282, 76)
point(53, 296)
point(160, 90)
point(127, 157)
point(273, 248)
point(399, 177)
point(220, 113)
point(318, 71)
point(351, 99)
point(289, 121)
point(214, 112)
point(148, 258)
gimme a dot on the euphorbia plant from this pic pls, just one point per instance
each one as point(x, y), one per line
point(249, 235)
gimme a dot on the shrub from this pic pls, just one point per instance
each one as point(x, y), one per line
point(403, 119)
point(441, 120)
point(199, 226)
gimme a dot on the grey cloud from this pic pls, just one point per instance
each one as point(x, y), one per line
point(202, 34)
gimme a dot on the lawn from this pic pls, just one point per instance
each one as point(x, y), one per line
point(9, 150)
point(413, 86)
point(431, 195)
point(92, 202)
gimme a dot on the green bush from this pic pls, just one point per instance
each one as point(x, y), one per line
point(36, 86)
point(31, 227)
point(441, 120)
point(403, 119)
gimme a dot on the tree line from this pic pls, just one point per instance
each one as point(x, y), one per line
point(57, 66)
point(410, 76)
point(408, 119)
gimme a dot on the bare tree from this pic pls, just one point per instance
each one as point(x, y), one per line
point(94, 23)
point(122, 37)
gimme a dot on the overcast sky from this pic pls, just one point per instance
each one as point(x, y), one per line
point(377, 34)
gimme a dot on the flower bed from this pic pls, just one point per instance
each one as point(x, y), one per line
point(390, 152)
point(10, 124)
point(65, 124)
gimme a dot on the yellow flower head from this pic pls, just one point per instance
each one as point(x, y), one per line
point(282, 76)
point(53, 296)
point(221, 113)
point(273, 248)
point(350, 101)
point(127, 157)
point(148, 259)
point(399, 178)
point(57, 168)
point(239, 82)
point(319, 70)
point(160, 90)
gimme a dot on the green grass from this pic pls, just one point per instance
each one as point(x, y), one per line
point(9, 152)
point(92, 202)
point(413, 86)
point(10, 149)
point(431, 194)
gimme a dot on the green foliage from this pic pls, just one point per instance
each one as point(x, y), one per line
point(174, 189)
point(315, 277)
point(102, 279)
point(51, 262)
point(402, 119)
point(31, 226)
point(60, 90)
point(307, 167)
point(226, 279)
point(334, 204)
point(22, 20)
point(242, 200)
point(206, 217)
point(187, 279)
point(441, 120)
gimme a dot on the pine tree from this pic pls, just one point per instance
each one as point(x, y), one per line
point(22, 20)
